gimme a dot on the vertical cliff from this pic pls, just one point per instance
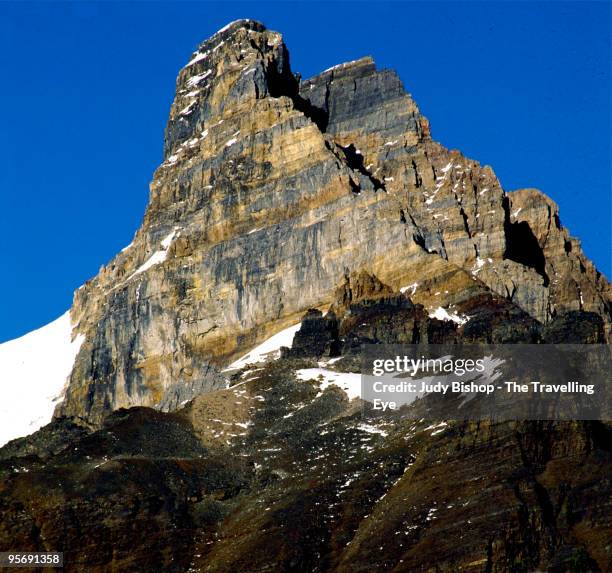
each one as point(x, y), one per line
point(271, 191)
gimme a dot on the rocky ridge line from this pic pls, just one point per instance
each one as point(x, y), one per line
point(272, 189)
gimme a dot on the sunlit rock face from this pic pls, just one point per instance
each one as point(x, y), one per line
point(273, 190)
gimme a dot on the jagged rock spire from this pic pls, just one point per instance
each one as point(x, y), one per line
point(271, 191)
point(242, 62)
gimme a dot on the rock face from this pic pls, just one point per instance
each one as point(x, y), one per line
point(271, 191)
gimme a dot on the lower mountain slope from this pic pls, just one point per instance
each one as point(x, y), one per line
point(283, 471)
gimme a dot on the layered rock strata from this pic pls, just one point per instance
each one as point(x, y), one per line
point(273, 189)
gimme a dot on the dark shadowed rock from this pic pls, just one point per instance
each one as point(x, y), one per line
point(575, 327)
point(318, 336)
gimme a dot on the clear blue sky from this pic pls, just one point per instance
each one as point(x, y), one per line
point(86, 89)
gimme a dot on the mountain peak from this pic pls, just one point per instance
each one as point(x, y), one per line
point(365, 61)
point(241, 62)
point(231, 27)
point(217, 417)
point(271, 192)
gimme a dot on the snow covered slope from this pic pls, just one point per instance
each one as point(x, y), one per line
point(270, 348)
point(350, 382)
point(33, 372)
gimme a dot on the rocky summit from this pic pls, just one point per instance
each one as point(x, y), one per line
point(272, 189)
point(299, 219)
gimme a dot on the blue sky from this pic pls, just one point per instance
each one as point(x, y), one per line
point(86, 89)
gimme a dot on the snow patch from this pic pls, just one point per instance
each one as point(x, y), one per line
point(228, 26)
point(478, 265)
point(195, 80)
point(199, 56)
point(491, 374)
point(270, 348)
point(156, 258)
point(349, 382)
point(370, 429)
point(33, 373)
point(438, 428)
point(340, 66)
point(167, 241)
point(412, 287)
point(187, 109)
point(330, 361)
point(443, 314)
point(232, 140)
